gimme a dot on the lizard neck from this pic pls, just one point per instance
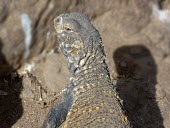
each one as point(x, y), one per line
point(90, 54)
point(92, 66)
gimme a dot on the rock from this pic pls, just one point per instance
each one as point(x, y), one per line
point(164, 4)
point(11, 31)
point(143, 64)
point(26, 82)
point(158, 33)
point(3, 10)
point(53, 72)
point(4, 66)
point(42, 13)
point(27, 93)
point(126, 18)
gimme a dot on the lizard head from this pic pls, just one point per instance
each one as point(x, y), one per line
point(77, 38)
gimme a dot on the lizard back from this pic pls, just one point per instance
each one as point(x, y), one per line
point(96, 103)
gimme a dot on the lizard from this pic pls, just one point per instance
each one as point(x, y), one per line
point(90, 100)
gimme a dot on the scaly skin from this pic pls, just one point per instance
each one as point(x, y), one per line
point(90, 100)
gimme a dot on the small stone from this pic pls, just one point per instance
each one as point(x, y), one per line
point(55, 73)
point(27, 93)
point(26, 82)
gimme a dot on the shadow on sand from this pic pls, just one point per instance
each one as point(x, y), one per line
point(10, 87)
point(136, 85)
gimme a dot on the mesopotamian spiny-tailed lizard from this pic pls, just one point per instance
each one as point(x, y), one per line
point(90, 99)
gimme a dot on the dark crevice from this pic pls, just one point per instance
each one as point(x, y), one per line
point(35, 27)
point(161, 3)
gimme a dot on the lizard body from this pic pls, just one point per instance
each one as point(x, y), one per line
point(90, 100)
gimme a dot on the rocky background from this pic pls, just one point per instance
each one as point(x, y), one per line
point(136, 36)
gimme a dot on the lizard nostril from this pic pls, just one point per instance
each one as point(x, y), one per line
point(57, 20)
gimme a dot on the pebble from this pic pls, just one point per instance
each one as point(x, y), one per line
point(27, 93)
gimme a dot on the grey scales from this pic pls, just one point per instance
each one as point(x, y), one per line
point(90, 99)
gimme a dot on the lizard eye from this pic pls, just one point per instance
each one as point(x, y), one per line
point(68, 29)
